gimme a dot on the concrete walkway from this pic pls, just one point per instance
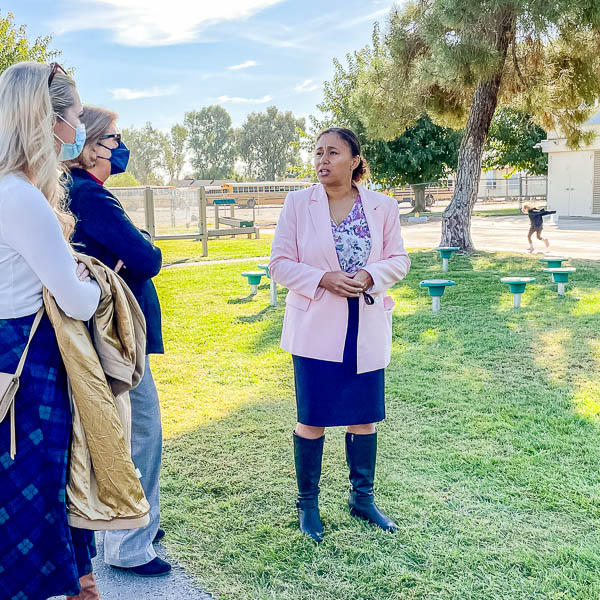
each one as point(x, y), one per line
point(116, 584)
point(574, 238)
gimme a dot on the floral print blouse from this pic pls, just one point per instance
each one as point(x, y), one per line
point(352, 239)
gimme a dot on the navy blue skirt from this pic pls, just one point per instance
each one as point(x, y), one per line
point(40, 555)
point(331, 393)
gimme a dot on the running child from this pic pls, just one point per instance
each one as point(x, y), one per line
point(536, 218)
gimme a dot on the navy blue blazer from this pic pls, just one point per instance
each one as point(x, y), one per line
point(104, 230)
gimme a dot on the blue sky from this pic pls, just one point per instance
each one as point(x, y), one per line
point(154, 60)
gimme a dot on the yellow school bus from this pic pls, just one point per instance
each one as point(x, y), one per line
point(260, 193)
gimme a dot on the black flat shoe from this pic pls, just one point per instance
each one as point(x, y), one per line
point(155, 568)
point(160, 534)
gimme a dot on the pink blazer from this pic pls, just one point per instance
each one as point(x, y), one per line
point(303, 250)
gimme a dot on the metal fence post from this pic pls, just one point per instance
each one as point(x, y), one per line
point(203, 222)
point(149, 211)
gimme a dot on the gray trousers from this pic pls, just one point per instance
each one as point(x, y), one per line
point(133, 547)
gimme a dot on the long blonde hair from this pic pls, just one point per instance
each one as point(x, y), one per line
point(28, 109)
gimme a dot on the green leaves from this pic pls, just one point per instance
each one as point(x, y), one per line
point(211, 142)
point(511, 141)
point(269, 143)
point(146, 145)
point(15, 47)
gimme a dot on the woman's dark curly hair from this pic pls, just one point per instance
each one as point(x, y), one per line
point(348, 136)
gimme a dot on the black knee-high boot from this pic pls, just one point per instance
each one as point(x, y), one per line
point(361, 454)
point(308, 454)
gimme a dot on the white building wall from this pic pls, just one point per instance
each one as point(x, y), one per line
point(571, 183)
point(571, 173)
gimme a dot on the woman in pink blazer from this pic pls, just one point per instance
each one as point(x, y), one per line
point(338, 248)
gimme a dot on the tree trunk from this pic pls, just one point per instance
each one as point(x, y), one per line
point(419, 191)
point(456, 221)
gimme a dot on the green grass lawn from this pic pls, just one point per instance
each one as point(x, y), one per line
point(177, 251)
point(489, 457)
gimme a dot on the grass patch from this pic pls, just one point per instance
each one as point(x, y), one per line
point(179, 251)
point(499, 212)
point(489, 458)
point(492, 212)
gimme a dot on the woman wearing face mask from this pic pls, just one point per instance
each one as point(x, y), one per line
point(338, 248)
point(104, 230)
point(40, 555)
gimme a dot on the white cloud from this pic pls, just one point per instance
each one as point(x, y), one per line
point(150, 22)
point(244, 65)
point(129, 94)
point(307, 86)
point(238, 100)
point(371, 17)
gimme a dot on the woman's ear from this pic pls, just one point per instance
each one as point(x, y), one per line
point(91, 157)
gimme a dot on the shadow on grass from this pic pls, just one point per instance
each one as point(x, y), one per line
point(489, 459)
point(258, 316)
point(243, 300)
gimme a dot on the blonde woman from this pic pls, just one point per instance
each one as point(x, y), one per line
point(40, 556)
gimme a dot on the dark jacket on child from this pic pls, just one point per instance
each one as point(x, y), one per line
point(536, 217)
point(104, 230)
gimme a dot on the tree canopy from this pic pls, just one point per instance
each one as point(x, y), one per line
point(174, 151)
point(512, 142)
point(269, 142)
point(146, 146)
point(211, 142)
point(15, 47)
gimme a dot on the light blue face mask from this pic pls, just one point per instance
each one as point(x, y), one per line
point(72, 151)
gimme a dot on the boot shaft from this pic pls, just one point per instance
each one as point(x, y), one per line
point(361, 456)
point(308, 456)
point(89, 591)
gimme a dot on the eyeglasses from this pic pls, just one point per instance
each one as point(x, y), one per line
point(54, 69)
point(115, 136)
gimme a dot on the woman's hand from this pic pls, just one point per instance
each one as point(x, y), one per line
point(364, 278)
point(82, 272)
point(119, 265)
point(341, 284)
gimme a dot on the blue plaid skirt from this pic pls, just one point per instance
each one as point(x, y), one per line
point(40, 555)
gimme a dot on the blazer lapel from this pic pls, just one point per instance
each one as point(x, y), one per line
point(375, 218)
point(319, 213)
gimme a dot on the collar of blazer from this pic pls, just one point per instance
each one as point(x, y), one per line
point(319, 212)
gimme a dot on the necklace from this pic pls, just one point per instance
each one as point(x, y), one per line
point(335, 221)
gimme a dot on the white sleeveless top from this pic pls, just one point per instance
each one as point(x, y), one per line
point(34, 253)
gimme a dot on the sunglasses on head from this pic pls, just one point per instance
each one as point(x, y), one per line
point(54, 69)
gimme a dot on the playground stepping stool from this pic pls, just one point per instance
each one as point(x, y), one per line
point(554, 262)
point(517, 286)
point(273, 285)
point(560, 275)
point(436, 288)
point(446, 253)
point(253, 278)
